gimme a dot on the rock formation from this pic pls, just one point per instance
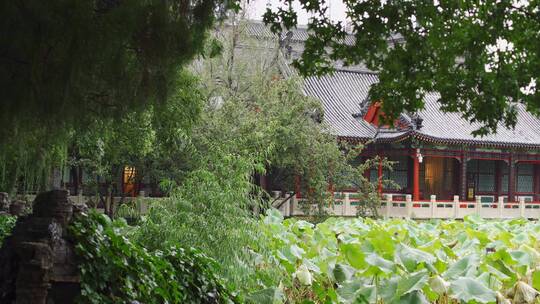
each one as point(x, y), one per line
point(37, 262)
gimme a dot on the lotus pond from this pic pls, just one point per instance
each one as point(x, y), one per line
point(403, 261)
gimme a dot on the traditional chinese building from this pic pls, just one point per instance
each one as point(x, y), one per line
point(434, 152)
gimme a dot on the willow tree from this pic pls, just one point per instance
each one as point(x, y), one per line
point(64, 64)
point(483, 57)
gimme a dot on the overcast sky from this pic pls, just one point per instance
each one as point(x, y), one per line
point(257, 8)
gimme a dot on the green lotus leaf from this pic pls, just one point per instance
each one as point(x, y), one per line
point(535, 278)
point(379, 263)
point(462, 267)
point(490, 280)
point(357, 292)
point(412, 282)
point(353, 254)
point(273, 216)
point(267, 296)
point(468, 289)
point(411, 257)
point(415, 297)
point(297, 252)
point(342, 273)
point(521, 257)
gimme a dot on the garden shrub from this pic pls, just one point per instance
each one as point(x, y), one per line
point(115, 270)
point(7, 222)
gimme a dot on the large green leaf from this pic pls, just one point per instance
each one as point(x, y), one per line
point(267, 296)
point(412, 282)
point(357, 292)
point(462, 267)
point(467, 289)
point(411, 257)
point(354, 255)
point(536, 279)
point(380, 264)
point(415, 297)
point(521, 257)
point(273, 216)
point(342, 273)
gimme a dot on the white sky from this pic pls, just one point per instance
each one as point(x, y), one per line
point(256, 9)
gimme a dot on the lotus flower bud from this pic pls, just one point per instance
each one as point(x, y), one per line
point(303, 275)
point(439, 285)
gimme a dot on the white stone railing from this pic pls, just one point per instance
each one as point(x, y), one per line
point(345, 204)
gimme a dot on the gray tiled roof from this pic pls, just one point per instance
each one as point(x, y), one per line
point(300, 34)
point(341, 95)
point(343, 92)
point(451, 127)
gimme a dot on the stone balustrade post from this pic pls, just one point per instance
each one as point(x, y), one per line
point(346, 204)
point(500, 206)
point(388, 204)
point(409, 205)
point(522, 206)
point(432, 205)
point(285, 208)
point(292, 202)
point(455, 206)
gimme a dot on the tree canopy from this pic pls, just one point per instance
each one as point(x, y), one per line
point(67, 62)
point(67, 67)
point(483, 57)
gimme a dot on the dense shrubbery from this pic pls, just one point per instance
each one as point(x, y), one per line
point(7, 222)
point(404, 261)
point(116, 270)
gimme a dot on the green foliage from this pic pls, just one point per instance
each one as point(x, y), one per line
point(67, 63)
point(252, 121)
point(211, 211)
point(68, 68)
point(260, 115)
point(403, 261)
point(116, 270)
point(154, 141)
point(7, 222)
point(24, 169)
point(482, 57)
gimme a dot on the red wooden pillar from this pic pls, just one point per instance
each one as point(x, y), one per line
point(536, 180)
point(297, 185)
point(463, 176)
point(511, 178)
point(416, 178)
point(498, 178)
point(380, 173)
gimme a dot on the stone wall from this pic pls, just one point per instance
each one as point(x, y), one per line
point(37, 262)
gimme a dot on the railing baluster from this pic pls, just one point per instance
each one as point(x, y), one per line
point(346, 204)
point(433, 203)
point(408, 203)
point(388, 204)
point(500, 206)
point(455, 206)
point(522, 206)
